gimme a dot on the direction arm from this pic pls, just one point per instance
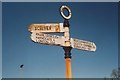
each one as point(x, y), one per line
point(83, 45)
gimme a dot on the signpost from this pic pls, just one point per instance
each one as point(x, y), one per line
point(38, 35)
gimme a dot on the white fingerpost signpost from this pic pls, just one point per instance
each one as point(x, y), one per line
point(38, 35)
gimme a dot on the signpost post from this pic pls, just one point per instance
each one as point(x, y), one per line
point(38, 35)
point(67, 48)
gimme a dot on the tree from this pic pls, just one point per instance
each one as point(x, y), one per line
point(116, 74)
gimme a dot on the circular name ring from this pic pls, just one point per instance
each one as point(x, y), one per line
point(69, 12)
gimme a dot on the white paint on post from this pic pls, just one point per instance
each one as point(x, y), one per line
point(67, 36)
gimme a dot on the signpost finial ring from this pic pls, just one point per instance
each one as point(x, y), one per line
point(69, 12)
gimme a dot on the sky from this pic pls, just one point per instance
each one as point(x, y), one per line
point(96, 22)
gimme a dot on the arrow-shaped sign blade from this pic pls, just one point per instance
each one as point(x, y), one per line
point(47, 39)
point(60, 41)
point(57, 27)
point(83, 45)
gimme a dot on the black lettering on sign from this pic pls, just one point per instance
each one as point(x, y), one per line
point(43, 27)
